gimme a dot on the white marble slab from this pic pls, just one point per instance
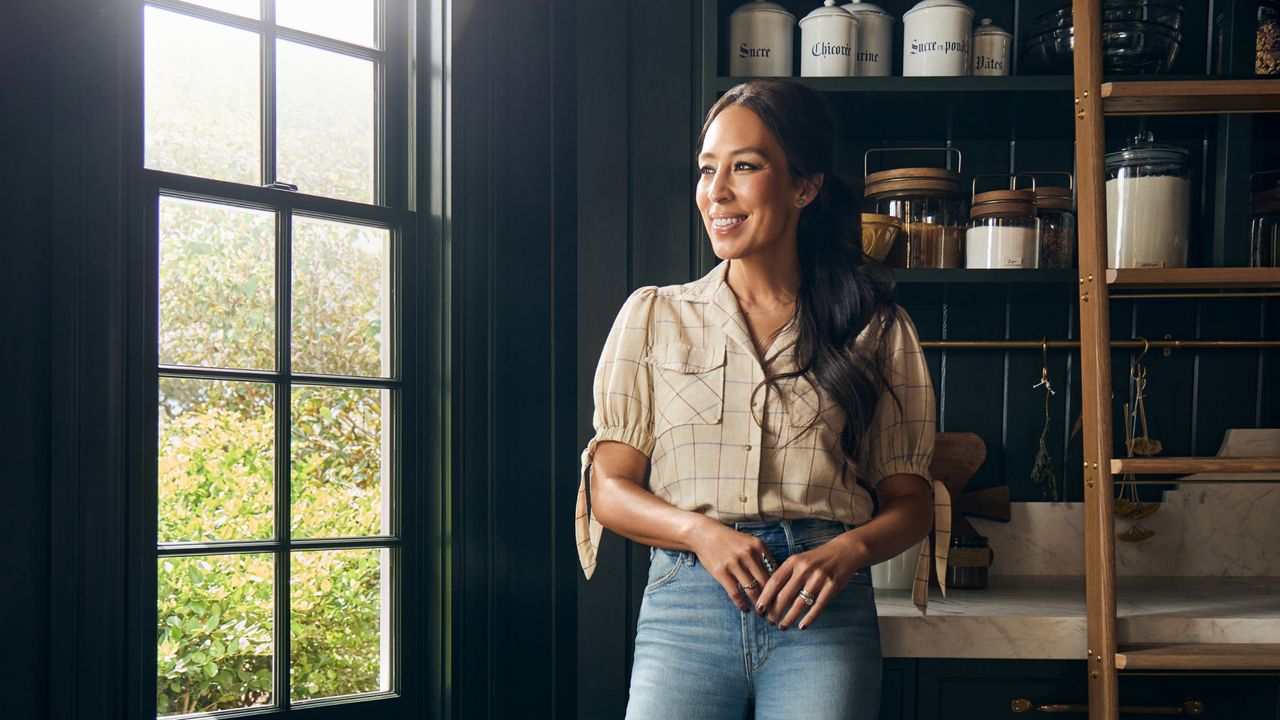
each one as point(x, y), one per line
point(1043, 617)
point(1201, 530)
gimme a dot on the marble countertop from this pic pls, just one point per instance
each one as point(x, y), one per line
point(1042, 617)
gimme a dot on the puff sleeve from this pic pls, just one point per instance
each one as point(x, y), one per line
point(623, 395)
point(900, 440)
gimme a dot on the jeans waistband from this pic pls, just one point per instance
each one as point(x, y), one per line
point(787, 533)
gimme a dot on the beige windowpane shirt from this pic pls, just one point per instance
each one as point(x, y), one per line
point(676, 380)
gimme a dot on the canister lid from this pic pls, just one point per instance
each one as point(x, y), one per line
point(910, 181)
point(931, 4)
point(1050, 197)
point(763, 6)
point(829, 10)
point(1142, 150)
point(857, 7)
point(1004, 202)
point(985, 28)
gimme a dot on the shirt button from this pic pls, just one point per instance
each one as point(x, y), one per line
point(747, 448)
point(743, 498)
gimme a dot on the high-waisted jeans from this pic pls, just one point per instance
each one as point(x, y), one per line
point(698, 657)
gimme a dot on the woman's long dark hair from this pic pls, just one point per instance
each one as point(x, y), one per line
point(840, 296)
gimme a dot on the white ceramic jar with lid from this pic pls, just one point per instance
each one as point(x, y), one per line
point(1148, 205)
point(936, 38)
point(828, 41)
point(761, 37)
point(874, 56)
point(990, 49)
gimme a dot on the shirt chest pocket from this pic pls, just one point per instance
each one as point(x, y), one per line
point(688, 385)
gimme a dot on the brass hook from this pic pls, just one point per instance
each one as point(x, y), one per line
point(1044, 367)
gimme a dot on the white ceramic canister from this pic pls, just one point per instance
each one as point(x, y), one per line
point(874, 54)
point(828, 40)
point(936, 38)
point(761, 37)
point(990, 49)
point(899, 572)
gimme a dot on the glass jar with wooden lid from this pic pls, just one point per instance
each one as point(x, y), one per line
point(1055, 206)
point(1003, 230)
point(930, 202)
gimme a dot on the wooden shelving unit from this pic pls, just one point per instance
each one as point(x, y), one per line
point(1094, 101)
point(1190, 97)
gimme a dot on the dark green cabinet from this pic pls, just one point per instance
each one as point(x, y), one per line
point(932, 689)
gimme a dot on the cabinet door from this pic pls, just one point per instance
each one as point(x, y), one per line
point(986, 690)
point(898, 689)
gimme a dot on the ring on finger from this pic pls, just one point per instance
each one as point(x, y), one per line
point(807, 597)
point(751, 585)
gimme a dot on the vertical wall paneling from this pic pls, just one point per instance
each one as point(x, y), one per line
point(27, 344)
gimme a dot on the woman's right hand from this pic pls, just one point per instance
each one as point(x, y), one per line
point(736, 560)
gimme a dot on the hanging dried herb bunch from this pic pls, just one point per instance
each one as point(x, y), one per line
point(1042, 468)
point(1128, 504)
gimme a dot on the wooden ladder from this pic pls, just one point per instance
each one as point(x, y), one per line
point(1095, 100)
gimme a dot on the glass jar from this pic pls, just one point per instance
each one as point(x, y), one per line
point(1267, 60)
point(1003, 230)
point(930, 204)
point(1057, 227)
point(1148, 205)
point(968, 562)
point(1264, 227)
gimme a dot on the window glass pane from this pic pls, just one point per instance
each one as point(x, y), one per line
point(349, 20)
point(203, 110)
point(217, 285)
point(339, 634)
point(341, 298)
point(216, 460)
point(247, 8)
point(340, 452)
point(325, 122)
point(214, 633)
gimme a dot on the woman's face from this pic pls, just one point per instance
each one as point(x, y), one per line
point(749, 201)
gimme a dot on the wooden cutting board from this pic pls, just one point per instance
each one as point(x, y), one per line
point(956, 458)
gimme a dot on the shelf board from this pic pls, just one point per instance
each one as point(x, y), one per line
point(1199, 657)
point(898, 84)
point(1172, 278)
point(1188, 465)
point(1190, 97)
point(964, 275)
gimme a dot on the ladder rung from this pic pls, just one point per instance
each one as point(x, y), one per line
point(1190, 97)
point(1199, 657)
point(1173, 278)
point(1188, 465)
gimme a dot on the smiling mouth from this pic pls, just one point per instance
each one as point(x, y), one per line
point(725, 223)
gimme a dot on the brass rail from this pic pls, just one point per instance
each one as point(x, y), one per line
point(1075, 344)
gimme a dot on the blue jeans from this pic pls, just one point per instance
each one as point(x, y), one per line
point(700, 658)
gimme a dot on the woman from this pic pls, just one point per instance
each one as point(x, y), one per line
point(769, 399)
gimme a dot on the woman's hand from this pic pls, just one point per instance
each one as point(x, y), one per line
point(821, 572)
point(736, 560)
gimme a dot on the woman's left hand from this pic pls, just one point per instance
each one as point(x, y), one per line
point(821, 572)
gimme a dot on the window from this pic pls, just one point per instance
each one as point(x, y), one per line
point(279, 330)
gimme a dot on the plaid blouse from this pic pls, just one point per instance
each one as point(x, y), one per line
point(677, 380)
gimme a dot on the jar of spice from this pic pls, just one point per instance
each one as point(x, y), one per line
point(1267, 61)
point(1057, 226)
point(968, 562)
point(1148, 205)
point(930, 203)
point(1264, 227)
point(1003, 230)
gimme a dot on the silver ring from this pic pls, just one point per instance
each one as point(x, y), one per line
point(751, 585)
point(807, 597)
